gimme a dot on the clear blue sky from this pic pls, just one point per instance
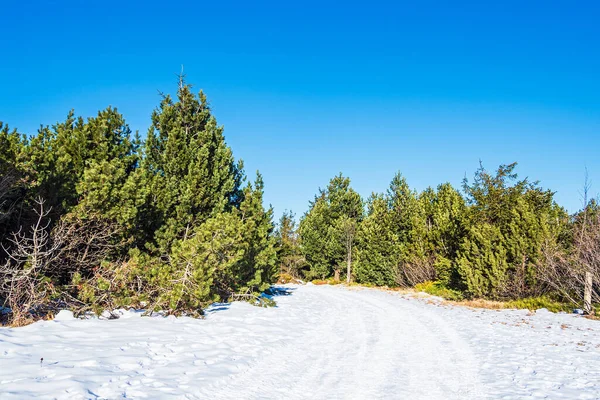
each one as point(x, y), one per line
point(308, 89)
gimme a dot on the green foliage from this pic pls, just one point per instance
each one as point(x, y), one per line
point(169, 224)
point(509, 221)
point(13, 183)
point(231, 253)
point(488, 244)
point(323, 231)
point(379, 250)
point(162, 224)
point(192, 172)
point(59, 156)
point(438, 289)
point(112, 285)
point(257, 269)
point(483, 263)
point(287, 242)
point(535, 303)
point(408, 238)
point(314, 230)
point(447, 228)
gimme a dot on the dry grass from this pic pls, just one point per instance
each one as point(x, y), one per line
point(472, 303)
point(480, 303)
point(287, 278)
point(19, 321)
point(402, 290)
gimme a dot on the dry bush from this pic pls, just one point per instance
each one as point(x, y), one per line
point(565, 270)
point(85, 244)
point(292, 265)
point(414, 271)
point(481, 303)
point(561, 272)
point(38, 256)
point(284, 278)
point(23, 287)
point(587, 243)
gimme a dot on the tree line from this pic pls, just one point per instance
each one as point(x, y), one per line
point(93, 218)
point(500, 238)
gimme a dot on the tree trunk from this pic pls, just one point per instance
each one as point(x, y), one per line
point(587, 294)
point(336, 275)
point(349, 264)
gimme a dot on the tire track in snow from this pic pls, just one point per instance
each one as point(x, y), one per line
point(320, 343)
point(362, 346)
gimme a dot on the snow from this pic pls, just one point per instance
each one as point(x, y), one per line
point(321, 342)
point(64, 315)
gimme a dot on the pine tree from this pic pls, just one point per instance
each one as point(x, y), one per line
point(314, 233)
point(403, 203)
point(509, 220)
point(63, 153)
point(379, 252)
point(164, 224)
point(13, 185)
point(289, 256)
point(483, 262)
point(326, 241)
point(448, 213)
point(101, 187)
point(257, 268)
point(192, 170)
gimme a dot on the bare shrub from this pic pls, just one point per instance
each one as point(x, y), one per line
point(292, 265)
point(575, 270)
point(560, 271)
point(415, 270)
point(23, 287)
point(84, 245)
point(38, 257)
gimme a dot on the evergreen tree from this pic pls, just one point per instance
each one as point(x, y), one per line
point(162, 224)
point(229, 254)
point(314, 232)
point(379, 251)
point(509, 219)
point(13, 185)
point(447, 228)
point(404, 205)
point(398, 232)
point(62, 155)
point(289, 256)
point(203, 268)
point(257, 268)
point(326, 241)
point(192, 170)
point(482, 262)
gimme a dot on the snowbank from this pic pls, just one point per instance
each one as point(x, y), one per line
point(320, 342)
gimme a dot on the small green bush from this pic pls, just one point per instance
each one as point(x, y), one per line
point(438, 289)
point(535, 303)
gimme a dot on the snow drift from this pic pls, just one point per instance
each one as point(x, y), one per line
point(320, 342)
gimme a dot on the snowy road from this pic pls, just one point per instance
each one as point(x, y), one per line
point(321, 342)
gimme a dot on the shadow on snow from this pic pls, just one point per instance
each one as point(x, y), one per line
point(271, 293)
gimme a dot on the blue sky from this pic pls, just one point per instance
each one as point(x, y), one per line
point(308, 89)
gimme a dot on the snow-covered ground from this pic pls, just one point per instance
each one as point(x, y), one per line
point(321, 342)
